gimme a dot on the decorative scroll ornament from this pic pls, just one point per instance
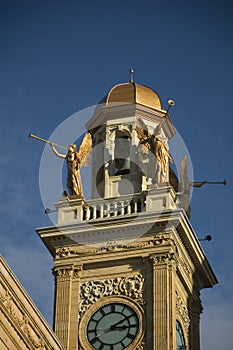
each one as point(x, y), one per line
point(92, 291)
point(182, 310)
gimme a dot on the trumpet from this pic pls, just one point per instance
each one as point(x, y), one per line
point(170, 103)
point(47, 141)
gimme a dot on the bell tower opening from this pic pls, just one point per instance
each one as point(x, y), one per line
point(122, 153)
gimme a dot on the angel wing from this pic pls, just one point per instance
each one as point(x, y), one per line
point(85, 147)
point(142, 130)
point(143, 135)
point(158, 128)
point(184, 180)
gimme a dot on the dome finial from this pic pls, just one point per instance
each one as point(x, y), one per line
point(131, 75)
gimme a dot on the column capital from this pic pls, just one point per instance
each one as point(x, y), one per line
point(164, 258)
point(67, 271)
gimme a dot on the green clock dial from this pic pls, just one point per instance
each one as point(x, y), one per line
point(113, 326)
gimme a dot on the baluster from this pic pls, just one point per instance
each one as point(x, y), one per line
point(94, 212)
point(82, 213)
point(122, 207)
point(115, 209)
point(128, 207)
point(135, 209)
point(101, 210)
point(108, 210)
point(87, 213)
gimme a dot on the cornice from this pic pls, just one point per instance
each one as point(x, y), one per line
point(128, 227)
point(107, 114)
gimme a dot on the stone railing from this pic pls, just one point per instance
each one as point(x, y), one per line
point(113, 207)
point(72, 210)
point(152, 200)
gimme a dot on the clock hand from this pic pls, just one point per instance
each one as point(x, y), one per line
point(120, 327)
point(109, 329)
point(105, 331)
point(116, 324)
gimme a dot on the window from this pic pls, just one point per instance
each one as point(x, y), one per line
point(180, 343)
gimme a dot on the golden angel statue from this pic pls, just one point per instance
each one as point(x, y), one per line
point(75, 159)
point(154, 144)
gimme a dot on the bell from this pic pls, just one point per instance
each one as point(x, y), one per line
point(122, 166)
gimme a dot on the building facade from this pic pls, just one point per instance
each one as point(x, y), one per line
point(22, 327)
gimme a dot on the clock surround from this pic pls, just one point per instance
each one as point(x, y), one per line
point(117, 311)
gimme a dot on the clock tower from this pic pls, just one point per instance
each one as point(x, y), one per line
point(128, 266)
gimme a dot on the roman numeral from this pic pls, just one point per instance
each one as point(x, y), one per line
point(102, 312)
point(91, 330)
point(94, 340)
point(130, 336)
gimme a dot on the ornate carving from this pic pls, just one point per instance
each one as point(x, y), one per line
point(5, 297)
point(67, 271)
point(69, 251)
point(22, 321)
point(91, 291)
point(182, 310)
point(166, 258)
point(112, 245)
point(63, 272)
point(185, 266)
point(63, 252)
point(38, 343)
point(161, 239)
point(158, 239)
point(141, 346)
point(77, 271)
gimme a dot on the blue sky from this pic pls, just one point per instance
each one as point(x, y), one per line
point(58, 57)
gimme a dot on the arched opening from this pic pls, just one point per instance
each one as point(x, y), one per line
point(122, 153)
point(180, 342)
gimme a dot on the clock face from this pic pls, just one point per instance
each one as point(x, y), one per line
point(180, 343)
point(113, 326)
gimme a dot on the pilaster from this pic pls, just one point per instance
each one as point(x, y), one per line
point(164, 269)
point(75, 301)
point(196, 310)
point(63, 289)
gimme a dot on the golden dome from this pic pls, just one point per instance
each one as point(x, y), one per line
point(133, 93)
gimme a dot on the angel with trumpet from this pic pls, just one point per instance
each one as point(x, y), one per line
point(155, 144)
point(75, 159)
